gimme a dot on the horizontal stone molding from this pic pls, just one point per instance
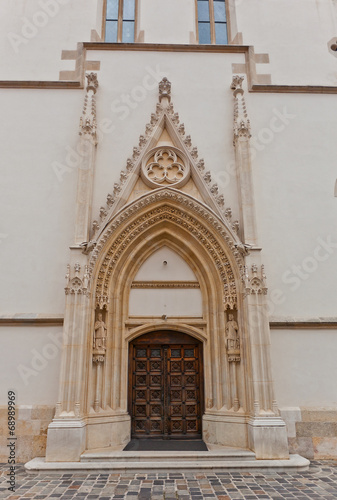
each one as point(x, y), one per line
point(165, 284)
point(304, 324)
point(31, 319)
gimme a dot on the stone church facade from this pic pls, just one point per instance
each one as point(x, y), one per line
point(179, 171)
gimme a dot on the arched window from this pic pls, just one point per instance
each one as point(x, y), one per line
point(212, 21)
point(120, 18)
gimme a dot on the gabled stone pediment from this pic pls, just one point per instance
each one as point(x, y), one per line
point(164, 157)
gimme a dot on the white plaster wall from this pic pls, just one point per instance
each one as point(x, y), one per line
point(30, 363)
point(33, 34)
point(174, 269)
point(295, 35)
point(36, 197)
point(168, 302)
point(294, 175)
point(304, 367)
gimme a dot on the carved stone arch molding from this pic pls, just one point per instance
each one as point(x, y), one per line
point(169, 217)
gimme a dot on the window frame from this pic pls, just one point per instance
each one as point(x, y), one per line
point(119, 22)
point(212, 22)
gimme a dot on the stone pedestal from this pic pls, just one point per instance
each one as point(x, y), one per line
point(267, 437)
point(66, 440)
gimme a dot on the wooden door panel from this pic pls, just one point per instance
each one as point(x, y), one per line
point(165, 397)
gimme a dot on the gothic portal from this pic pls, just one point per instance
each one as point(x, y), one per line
point(166, 328)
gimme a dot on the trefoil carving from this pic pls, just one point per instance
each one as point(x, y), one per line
point(254, 281)
point(77, 282)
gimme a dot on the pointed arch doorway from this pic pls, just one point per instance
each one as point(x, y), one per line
point(166, 397)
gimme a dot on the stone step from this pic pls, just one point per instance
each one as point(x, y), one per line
point(106, 455)
point(295, 463)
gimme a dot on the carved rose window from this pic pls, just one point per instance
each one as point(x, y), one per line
point(165, 166)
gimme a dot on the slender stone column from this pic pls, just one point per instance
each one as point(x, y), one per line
point(267, 432)
point(66, 434)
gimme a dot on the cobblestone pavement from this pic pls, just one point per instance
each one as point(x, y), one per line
point(317, 483)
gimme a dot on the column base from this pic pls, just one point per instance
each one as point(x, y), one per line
point(225, 430)
point(66, 439)
point(267, 437)
point(112, 431)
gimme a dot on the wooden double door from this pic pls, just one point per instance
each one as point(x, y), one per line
point(165, 381)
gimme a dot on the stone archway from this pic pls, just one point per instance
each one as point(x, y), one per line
point(169, 217)
point(93, 407)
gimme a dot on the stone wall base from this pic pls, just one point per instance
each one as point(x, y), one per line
point(312, 432)
point(31, 431)
point(225, 430)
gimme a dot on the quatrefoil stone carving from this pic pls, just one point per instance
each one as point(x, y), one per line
point(165, 165)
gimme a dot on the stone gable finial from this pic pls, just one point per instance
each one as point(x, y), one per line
point(92, 82)
point(165, 89)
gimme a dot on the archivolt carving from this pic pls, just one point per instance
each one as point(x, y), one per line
point(191, 162)
point(177, 215)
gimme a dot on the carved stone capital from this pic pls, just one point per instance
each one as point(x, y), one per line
point(98, 357)
point(234, 355)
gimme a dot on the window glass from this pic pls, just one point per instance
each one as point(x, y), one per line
point(112, 9)
point(204, 32)
point(129, 10)
point(221, 33)
point(203, 10)
point(111, 31)
point(219, 11)
point(128, 34)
